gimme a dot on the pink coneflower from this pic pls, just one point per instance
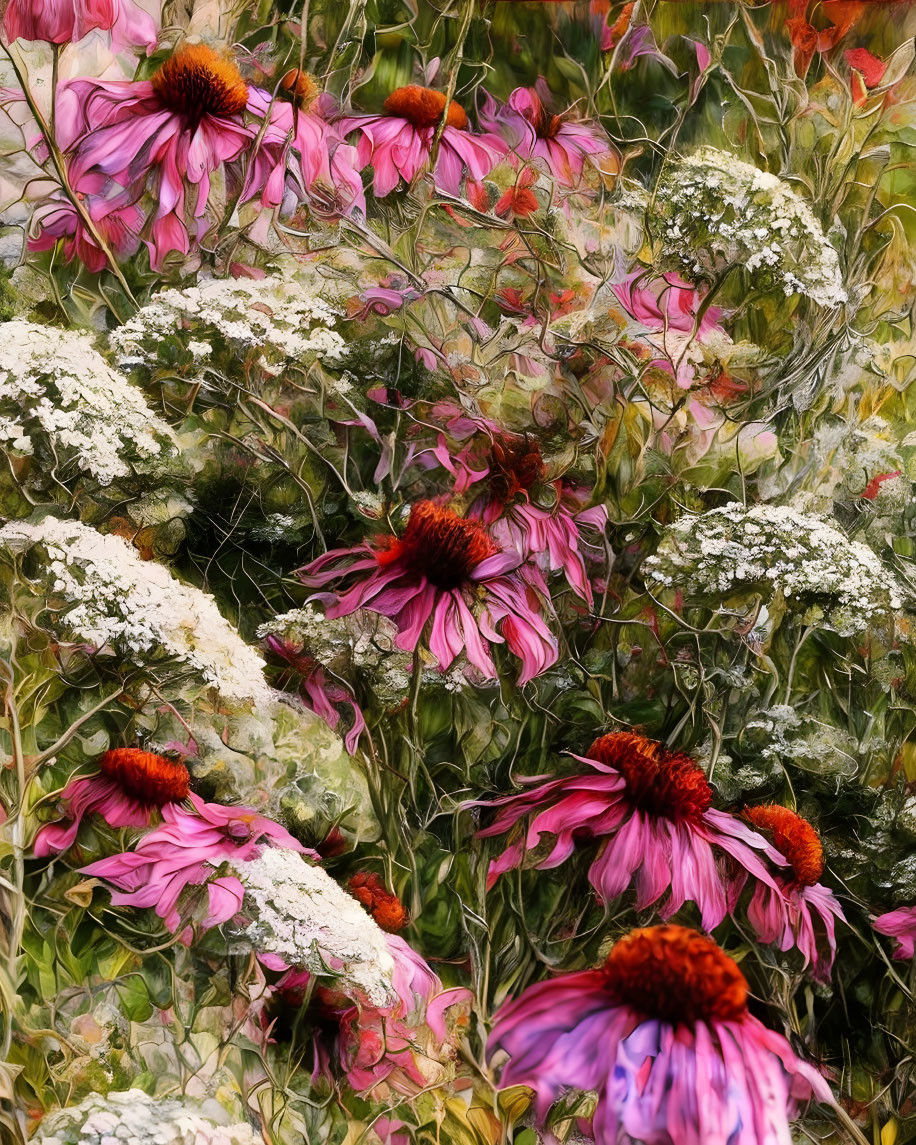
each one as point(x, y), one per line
point(397, 144)
point(531, 132)
point(512, 469)
point(787, 915)
point(65, 21)
point(663, 1034)
point(301, 153)
point(867, 72)
point(899, 924)
point(664, 303)
point(668, 308)
point(57, 221)
point(447, 570)
point(552, 537)
point(652, 807)
point(161, 136)
point(130, 787)
point(384, 906)
point(402, 1045)
point(322, 696)
point(383, 299)
point(185, 850)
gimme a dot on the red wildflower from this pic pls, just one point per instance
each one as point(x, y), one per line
point(384, 906)
point(518, 201)
point(873, 488)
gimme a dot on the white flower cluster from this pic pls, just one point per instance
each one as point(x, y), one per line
point(132, 1117)
point(55, 383)
point(717, 211)
point(808, 742)
point(777, 548)
point(300, 914)
point(137, 606)
point(362, 639)
point(279, 319)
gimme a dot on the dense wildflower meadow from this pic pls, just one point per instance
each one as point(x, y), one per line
point(457, 572)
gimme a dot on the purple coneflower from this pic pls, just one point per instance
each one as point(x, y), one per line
point(66, 21)
point(185, 850)
point(160, 136)
point(398, 1047)
point(130, 787)
point(787, 915)
point(651, 809)
point(555, 142)
point(899, 924)
point(449, 571)
point(322, 696)
point(663, 1034)
point(398, 143)
point(300, 152)
point(552, 537)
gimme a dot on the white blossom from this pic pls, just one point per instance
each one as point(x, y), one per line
point(137, 607)
point(363, 640)
point(715, 211)
point(301, 914)
point(275, 527)
point(281, 321)
point(365, 637)
point(767, 548)
point(366, 641)
point(54, 384)
point(811, 744)
point(132, 1117)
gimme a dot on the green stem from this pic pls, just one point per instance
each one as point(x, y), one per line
point(454, 62)
point(60, 167)
point(16, 832)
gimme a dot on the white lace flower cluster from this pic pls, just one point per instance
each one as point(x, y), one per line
point(279, 319)
point(301, 915)
point(55, 384)
point(132, 1117)
point(808, 742)
point(138, 607)
point(363, 638)
point(717, 211)
point(776, 548)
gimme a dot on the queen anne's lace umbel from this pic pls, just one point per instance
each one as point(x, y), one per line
point(55, 385)
point(717, 212)
point(301, 915)
point(777, 548)
point(281, 321)
point(132, 1117)
point(138, 607)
